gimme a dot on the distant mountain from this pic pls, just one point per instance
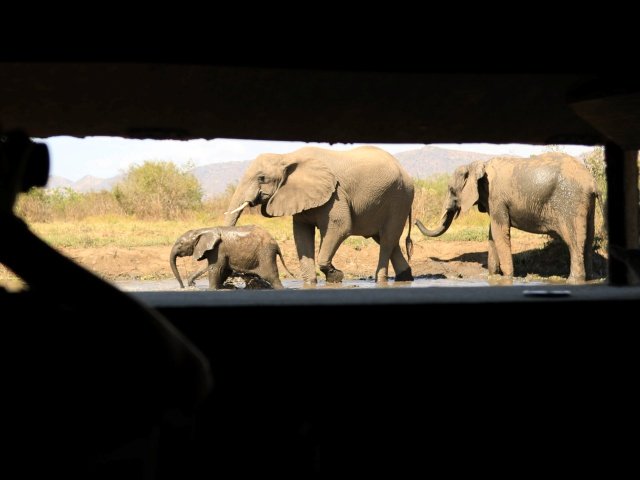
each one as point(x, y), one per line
point(420, 163)
point(215, 177)
point(59, 182)
point(427, 161)
point(88, 183)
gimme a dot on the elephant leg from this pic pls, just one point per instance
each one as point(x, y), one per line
point(390, 250)
point(575, 235)
point(400, 266)
point(275, 282)
point(331, 240)
point(217, 276)
point(493, 264)
point(387, 246)
point(588, 245)
point(382, 270)
point(270, 273)
point(192, 279)
point(304, 236)
point(501, 232)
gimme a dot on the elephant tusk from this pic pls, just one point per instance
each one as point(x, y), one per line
point(240, 208)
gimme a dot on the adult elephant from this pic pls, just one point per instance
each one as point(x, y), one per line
point(551, 193)
point(363, 191)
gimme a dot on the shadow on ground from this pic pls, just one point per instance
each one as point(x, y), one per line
point(552, 260)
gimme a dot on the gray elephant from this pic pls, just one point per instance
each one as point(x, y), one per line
point(551, 193)
point(229, 251)
point(363, 191)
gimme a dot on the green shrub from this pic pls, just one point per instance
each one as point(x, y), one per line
point(430, 194)
point(216, 206)
point(594, 161)
point(41, 205)
point(158, 190)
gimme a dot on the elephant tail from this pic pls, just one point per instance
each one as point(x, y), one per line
point(284, 264)
point(408, 242)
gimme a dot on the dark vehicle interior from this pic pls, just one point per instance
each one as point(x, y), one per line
point(387, 382)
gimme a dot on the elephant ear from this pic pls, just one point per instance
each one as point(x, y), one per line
point(306, 183)
point(469, 194)
point(206, 241)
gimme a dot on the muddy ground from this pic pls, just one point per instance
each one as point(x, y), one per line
point(535, 258)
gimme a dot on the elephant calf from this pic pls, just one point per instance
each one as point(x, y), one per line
point(229, 250)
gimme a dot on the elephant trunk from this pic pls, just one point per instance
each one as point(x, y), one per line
point(445, 222)
point(263, 210)
point(174, 267)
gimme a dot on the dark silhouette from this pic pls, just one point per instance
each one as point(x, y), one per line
point(98, 385)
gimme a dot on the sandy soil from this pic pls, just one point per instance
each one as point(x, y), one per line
point(460, 259)
point(449, 259)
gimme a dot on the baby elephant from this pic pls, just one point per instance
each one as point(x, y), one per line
point(230, 250)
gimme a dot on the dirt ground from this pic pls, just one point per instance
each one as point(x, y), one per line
point(448, 259)
point(534, 258)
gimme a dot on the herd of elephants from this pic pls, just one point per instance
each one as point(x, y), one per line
point(366, 192)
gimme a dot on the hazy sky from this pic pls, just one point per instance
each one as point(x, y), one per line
point(104, 157)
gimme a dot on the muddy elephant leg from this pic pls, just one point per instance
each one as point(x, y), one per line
point(588, 245)
point(304, 236)
point(217, 276)
point(329, 244)
point(382, 269)
point(274, 281)
point(192, 279)
point(501, 232)
point(493, 264)
point(400, 266)
point(270, 273)
point(575, 235)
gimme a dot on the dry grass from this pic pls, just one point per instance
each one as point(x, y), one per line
point(123, 231)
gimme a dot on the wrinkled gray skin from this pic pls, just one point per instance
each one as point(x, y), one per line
point(229, 250)
point(551, 193)
point(363, 191)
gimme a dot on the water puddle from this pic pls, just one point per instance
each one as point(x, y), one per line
point(171, 285)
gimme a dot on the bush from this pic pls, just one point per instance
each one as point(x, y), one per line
point(594, 161)
point(158, 190)
point(33, 206)
point(41, 205)
point(429, 197)
point(216, 206)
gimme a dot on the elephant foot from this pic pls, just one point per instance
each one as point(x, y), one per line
point(577, 280)
point(405, 276)
point(333, 274)
point(494, 268)
point(500, 279)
